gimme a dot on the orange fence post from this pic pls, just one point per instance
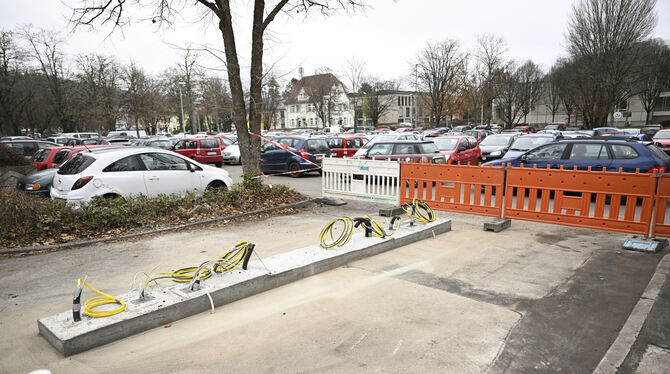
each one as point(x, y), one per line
point(659, 227)
point(455, 188)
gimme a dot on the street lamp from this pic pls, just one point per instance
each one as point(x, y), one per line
point(181, 106)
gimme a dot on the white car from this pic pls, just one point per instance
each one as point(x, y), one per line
point(232, 154)
point(112, 172)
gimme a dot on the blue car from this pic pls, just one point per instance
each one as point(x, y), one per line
point(276, 159)
point(612, 154)
point(527, 142)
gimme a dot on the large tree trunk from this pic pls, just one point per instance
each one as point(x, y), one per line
point(249, 148)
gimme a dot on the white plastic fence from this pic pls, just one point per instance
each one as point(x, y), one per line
point(351, 178)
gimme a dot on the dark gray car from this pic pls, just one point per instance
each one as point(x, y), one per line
point(495, 146)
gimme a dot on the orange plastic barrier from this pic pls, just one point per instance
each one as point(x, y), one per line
point(603, 200)
point(661, 228)
point(455, 188)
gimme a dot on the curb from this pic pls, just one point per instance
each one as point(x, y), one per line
point(617, 352)
point(300, 204)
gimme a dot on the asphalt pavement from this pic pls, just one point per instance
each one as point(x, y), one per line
point(533, 298)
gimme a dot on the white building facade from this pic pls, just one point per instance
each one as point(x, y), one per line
point(318, 91)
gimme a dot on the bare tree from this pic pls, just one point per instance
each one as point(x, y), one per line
point(378, 98)
point(551, 93)
point(13, 101)
point(490, 57)
point(530, 90)
point(654, 74)
point(46, 48)
point(605, 37)
point(271, 100)
point(98, 79)
point(508, 101)
point(439, 70)
point(118, 12)
point(137, 96)
point(323, 93)
point(216, 103)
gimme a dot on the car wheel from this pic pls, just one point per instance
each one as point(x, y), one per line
point(218, 164)
point(239, 161)
point(217, 186)
point(293, 167)
point(111, 196)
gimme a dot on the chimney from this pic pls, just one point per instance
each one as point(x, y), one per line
point(301, 71)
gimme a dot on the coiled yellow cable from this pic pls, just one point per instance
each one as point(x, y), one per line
point(92, 303)
point(341, 240)
point(422, 211)
point(225, 263)
point(328, 241)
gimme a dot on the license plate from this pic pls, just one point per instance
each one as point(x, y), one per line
point(211, 153)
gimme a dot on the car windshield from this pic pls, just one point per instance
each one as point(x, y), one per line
point(551, 127)
point(446, 144)
point(428, 148)
point(495, 141)
point(61, 156)
point(41, 155)
point(526, 143)
point(76, 164)
point(662, 135)
point(160, 143)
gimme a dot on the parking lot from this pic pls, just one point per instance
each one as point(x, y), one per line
point(536, 297)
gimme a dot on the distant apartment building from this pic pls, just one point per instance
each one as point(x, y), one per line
point(631, 112)
point(392, 108)
point(310, 94)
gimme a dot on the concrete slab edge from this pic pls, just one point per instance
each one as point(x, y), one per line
point(225, 295)
point(619, 349)
point(300, 204)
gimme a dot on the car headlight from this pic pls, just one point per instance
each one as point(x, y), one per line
point(33, 187)
point(496, 153)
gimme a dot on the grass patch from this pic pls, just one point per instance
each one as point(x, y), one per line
point(29, 220)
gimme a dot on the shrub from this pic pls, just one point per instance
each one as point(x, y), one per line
point(29, 219)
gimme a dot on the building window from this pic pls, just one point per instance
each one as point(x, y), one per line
point(662, 104)
point(407, 112)
point(621, 106)
point(399, 112)
point(311, 121)
point(398, 100)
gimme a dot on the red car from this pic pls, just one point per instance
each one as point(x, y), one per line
point(43, 158)
point(64, 153)
point(459, 148)
point(525, 129)
point(662, 140)
point(204, 150)
point(345, 146)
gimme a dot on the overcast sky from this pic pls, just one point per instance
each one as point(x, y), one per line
point(387, 36)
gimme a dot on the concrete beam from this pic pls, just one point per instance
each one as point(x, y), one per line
point(497, 225)
point(173, 302)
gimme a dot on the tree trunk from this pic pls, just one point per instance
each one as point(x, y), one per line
point(249, 146)
point(646, 120)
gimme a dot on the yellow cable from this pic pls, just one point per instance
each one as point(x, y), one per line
point(344, 237)
point(225, 263)
point(92, 303)
point(422, 211)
